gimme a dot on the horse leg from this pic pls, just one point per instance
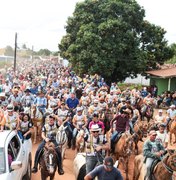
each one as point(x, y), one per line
point(35, 134)
point(170, 138)
point(39, 132)
point(136, 148)
point(175, 137)
point(127, 160)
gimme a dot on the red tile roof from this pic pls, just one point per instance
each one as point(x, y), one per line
point(164, 73)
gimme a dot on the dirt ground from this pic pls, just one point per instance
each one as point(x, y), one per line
point(68, 163)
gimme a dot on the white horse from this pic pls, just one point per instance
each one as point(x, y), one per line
point(62, 140)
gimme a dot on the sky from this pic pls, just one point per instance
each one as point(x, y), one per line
point(40, 23)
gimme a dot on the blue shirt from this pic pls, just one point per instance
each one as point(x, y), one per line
point(72, 103)
point(102, 174)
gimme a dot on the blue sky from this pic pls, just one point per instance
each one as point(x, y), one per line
point(40, 23)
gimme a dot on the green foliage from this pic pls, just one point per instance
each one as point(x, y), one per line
point(110, 38)
point(44, 52)
point(173, 59)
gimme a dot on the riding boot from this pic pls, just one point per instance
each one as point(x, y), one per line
point(60, 168)
point(36, 161)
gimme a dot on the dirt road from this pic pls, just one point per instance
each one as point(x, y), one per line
point(68, 164)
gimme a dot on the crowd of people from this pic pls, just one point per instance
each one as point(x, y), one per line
point(64, 98)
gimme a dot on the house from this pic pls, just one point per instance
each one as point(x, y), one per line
point(164, 79)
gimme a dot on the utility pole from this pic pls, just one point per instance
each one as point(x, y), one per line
point(15, 53)
point(32, 52)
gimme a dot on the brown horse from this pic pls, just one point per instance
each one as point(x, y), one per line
point(48, 161)
point(140, 131)
point(162, 171)
point(37, 120)
point(172, 130)
point(124, 149)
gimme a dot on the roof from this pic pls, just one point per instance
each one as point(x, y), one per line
point(164, 73)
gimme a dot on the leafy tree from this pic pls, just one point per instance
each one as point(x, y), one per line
point(111, 38)
point(173, 59)
point(44, 52)
point(9, 51)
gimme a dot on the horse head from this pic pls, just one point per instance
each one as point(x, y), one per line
point(61, 136)
point(128, 146)
point(171, 162)
point(50, 157)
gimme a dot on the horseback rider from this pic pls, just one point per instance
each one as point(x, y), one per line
point(95, 144)
point(27, 99)
point(121, 125)
point(79, 122)
point(41, 102)
point(49, 131)
point(152, 150)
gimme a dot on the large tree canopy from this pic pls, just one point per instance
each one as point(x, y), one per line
point(111, 38)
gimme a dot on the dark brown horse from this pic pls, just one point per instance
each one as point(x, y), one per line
point(48, 161)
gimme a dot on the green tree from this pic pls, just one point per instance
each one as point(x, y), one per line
point(9, 51)
point(111, 38)
point(44, 52)
point(173, 59)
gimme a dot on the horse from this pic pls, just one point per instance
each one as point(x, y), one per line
point(172, 130)
point(48, 161)
point(37, 120)
point(62, 140)
point(79, 166)
point(140, 131)
point(146, 112)
point(124, 149)
point(162, 171)
point(80, 146)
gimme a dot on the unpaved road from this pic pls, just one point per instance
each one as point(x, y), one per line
point(68, 164)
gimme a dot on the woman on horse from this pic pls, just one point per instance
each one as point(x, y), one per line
point(49, 131)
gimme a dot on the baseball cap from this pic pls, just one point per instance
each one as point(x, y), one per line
point(108, 162)
point(160, 110)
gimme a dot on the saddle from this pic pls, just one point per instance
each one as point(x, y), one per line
point(118, 137)
point(152, 167)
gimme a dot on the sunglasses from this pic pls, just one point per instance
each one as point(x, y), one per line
point(95, 131)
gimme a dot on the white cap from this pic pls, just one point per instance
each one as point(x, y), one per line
point(160, 110)
point(172, 106)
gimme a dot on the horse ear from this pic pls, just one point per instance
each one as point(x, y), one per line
point(171, 151)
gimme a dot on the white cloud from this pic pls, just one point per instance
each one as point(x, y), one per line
point(40, 23)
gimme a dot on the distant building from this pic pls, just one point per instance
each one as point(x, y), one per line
point(138, 80)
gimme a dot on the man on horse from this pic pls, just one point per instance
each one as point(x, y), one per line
point(95, 144)
point(49, 131)
point(152, 150)
point(122, 125)
point(41, 102)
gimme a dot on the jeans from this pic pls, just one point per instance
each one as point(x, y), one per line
point(91, 162)
point(148, 164)
point(39, 153)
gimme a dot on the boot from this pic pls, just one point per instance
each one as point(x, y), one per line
point(60, 170)
point(34, 169)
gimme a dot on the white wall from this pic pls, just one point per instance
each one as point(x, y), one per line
point(138, 80)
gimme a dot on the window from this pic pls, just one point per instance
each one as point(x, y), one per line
point(2, 160)
point(15, 144)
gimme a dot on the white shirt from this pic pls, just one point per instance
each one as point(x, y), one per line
point(171, 113)
point(162, 138)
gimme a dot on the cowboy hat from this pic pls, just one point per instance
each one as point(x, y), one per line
point(95, 127)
